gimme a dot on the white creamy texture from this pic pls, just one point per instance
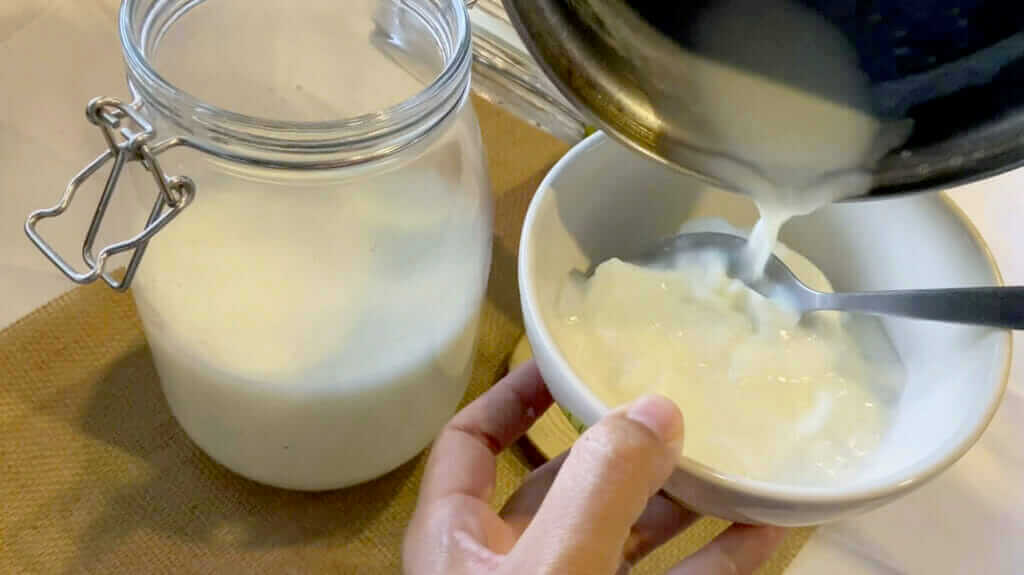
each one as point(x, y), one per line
point(764, 397)
point(319, 335)
point(777, 88)
point(774, 102)
point(791, 103)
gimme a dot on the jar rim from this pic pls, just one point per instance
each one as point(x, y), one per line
point(269, 142)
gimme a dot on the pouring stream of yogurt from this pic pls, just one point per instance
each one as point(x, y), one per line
point(765, 395)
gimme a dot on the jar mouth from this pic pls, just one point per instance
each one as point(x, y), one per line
point(269, 142)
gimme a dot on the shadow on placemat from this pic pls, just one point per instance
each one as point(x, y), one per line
point(188, 489)
point(98, 477)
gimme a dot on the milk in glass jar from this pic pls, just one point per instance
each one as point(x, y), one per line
point(316, 241)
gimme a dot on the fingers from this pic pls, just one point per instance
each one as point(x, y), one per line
point(661, 520)
point(602, 488)
point(462, 460)
point(449, 537)
point(519, 510)
point(739, 550)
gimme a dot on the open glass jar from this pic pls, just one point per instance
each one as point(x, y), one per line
point(313, 272)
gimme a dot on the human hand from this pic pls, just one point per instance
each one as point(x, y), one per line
point(593, 510)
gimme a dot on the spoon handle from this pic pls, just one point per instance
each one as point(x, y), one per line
point(992, 306)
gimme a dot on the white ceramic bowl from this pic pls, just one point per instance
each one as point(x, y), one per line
point(601, 201)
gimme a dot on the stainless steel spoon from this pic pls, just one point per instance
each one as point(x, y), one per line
point(991, 306)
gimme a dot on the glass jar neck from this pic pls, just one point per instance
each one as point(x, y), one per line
point(276, 143)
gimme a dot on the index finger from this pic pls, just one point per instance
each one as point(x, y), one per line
point(463, 457)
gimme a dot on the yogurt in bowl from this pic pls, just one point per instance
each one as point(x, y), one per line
point(766, 395)
point(601, 202)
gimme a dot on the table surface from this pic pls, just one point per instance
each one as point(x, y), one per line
point(57, 54)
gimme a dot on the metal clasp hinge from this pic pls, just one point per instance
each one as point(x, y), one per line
point(128, 137)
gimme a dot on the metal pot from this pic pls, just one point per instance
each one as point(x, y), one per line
point(950, 69)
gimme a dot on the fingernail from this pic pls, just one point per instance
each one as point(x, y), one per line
point(660, 415)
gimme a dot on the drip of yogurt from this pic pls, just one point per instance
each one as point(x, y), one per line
point(775, 97)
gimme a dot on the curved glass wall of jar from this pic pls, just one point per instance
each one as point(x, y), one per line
point(312, 314)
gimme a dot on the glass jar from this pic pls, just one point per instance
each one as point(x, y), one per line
point(314, 268)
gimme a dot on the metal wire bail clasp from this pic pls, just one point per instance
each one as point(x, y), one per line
point(128, 137)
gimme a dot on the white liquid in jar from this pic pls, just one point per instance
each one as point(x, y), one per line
point(319, 336)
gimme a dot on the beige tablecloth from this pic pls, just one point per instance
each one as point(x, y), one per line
point(97, 477)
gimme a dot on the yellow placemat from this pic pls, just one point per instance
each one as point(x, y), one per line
point(97, 477)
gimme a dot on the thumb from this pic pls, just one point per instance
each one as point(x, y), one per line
point(601, 490)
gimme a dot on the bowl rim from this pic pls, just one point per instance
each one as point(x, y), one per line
point(887, 485)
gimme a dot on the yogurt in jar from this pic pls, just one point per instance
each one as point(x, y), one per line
point(318, 337)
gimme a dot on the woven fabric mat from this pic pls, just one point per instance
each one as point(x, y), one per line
point(97, 477)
